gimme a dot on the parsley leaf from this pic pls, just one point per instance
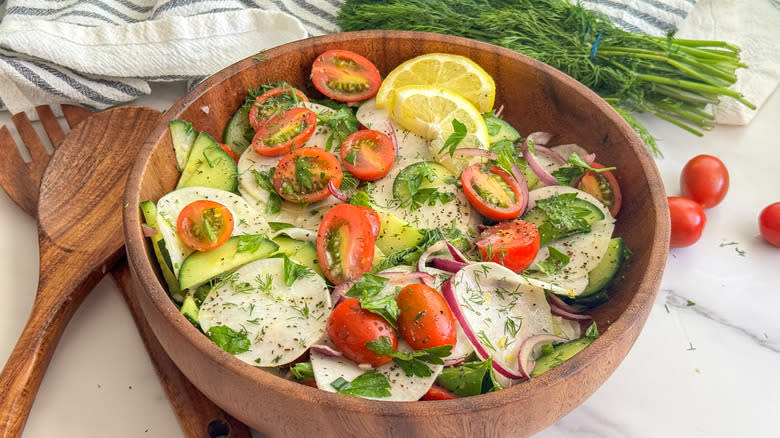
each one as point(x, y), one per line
point(366, 289)
point(554, 262)
point(459, 132)
point(277, 226)
point(413, 363)
point(303, 371)
point(369, 384)
point(471, 378)
point(302, 173)
point(228, 339)
point(263, 179)
point(413, 178)
point(342, 122)
point(293, 271)
point(250, 242)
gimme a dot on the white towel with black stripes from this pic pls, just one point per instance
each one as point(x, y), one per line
point(102, 53)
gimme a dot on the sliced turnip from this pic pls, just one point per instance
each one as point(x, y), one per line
point(496, 309)
point(280, 322)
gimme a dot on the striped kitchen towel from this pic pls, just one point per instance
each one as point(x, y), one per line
point(102, 53)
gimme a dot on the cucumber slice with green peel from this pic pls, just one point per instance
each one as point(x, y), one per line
point(603, 274)
point(208, 165)
point(149, 210)
point(299, 251)
point(549, 232)
point(182, 135)
point(499, 129)
point(420, 176)
point(395, 234)
point(189, 308)
point(201, 266)
point(238, 132)
point(559, 354)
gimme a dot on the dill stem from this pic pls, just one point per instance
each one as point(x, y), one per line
point(686, 95)
point(680, 66)
point(705, 43)
point(675, 122)
point(688, 85)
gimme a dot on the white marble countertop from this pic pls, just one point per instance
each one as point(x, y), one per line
point(708, 369)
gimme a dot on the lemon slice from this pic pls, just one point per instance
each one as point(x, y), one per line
point(457, 73)
point(428, 111)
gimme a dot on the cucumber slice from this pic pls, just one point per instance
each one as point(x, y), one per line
point(549, 233)
point(419, 176)
point(499, 129)
point(209, 166)
point(299, 251)
point(238, 132)
point(201, 266)
point(189, 308)
point(395, 234)
point(182, 136)
point(603, 274)
point(560, 354)
point(149, 211)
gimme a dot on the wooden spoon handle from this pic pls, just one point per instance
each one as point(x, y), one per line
point(60, 292)
point(198, 416)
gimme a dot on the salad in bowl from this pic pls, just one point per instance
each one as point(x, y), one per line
point(396, 239)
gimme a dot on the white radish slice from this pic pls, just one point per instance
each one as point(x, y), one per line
point(497, 310)
point(246, 219)
point(585, 251)
point(328, 368)
point(280, 321)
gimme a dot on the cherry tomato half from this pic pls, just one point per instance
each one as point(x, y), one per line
point(494, 193)
point(769, 223)
point(273, 102)
point(436, 392)
point(424, 319)
point(705, 180)
point(204, 225)
point(368, 154)
point(345, 76)
point(345, 243)
point(604, 187)
point(303, 174)
point(284, 132)
point(513, 244)
point(688, 220)
point(351, 327)
point(373, 219)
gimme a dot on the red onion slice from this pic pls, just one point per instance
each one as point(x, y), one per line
point(326, 350)
point(457, 254)
point(551, 154)
point(391, 134)
point(556, 301)
point(451, 266)
point(338, 194)
point(537, 168)
point(340, 291)
point(148, 231)
point(525, 363)
point(406, 277)
point(568, 315)
point(518, 175)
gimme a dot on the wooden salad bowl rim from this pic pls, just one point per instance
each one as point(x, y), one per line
point(588, 369)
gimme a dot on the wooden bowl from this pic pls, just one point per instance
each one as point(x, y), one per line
point(536, 97)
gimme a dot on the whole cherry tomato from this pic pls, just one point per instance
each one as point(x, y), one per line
point(351, 327)
point(769, 223)
point(705, 180)
point(424, 319)
point(688, 221)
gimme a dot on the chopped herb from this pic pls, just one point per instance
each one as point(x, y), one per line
point(555, 261)
point(350, 157)
point(369, 384)
point(277, 226)
point(228, 339)
point(302, 173)
point(303, 371)
point(366, 289)
point(690, 303)
point(413, 363)
point(342, 122)
point(263, 179)
point(471, 378)
point(459, 132)
point(293, 271)
point(250, 242)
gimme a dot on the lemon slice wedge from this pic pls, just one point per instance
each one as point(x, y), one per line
point(429, 111)
point(456, 73)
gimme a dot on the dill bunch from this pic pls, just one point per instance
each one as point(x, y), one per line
point(674, 79)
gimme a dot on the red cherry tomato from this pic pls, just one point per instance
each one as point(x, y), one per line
point(373, 219)
point(368, 154)
point(513, 244)
point(494, 193)
point(351, 327)
point(705, 180)
point(204, 225)
point(604, 187)
point(424, 319)
point(345, 243)
point(303, 174)
point(229, 151)
point(436, 392)
point(345, 76)
point(688, 220)
point(272, 102)
point(769, 223)
point(284, 132)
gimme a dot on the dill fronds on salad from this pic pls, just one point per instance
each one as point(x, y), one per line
point(671, 78)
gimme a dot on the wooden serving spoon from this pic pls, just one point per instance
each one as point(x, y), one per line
point(79, 227)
